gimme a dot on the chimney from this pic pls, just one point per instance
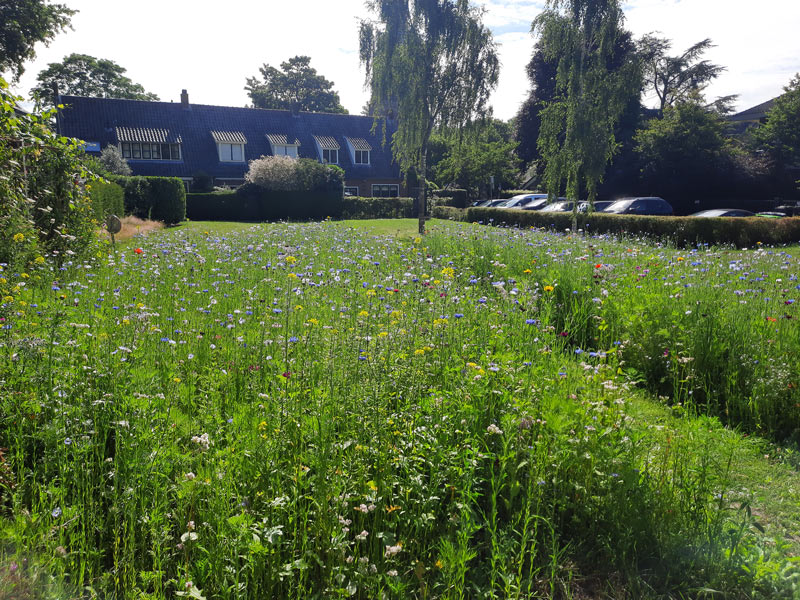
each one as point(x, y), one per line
point(185, 100)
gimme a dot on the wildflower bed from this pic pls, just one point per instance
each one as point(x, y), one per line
point(300, 411)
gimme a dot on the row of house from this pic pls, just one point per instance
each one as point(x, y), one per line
point(180, 139)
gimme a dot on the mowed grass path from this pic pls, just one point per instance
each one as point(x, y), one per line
point(346, 410)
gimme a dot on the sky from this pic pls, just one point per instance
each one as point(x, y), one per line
point(210, 48)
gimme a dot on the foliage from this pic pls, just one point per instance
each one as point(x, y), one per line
point(682, 153)
point(316, 411)
point(780, 135)
point(451, 197)
point(24, 24)
point(295, 86)
point(283, 173)
point(436, 62)
point(113, 162)
point(45, 211)
point(675, 78)
point(255, 203)
point(357, 207)
point(158, 198)
point(202, 182)
point(84, 75)
point(108, 198)
point(576, 138)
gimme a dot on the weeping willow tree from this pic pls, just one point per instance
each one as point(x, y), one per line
point(576, 138)
point(429, 63)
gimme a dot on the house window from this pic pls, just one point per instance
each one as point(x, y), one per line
point(231, 152)
point(351, 190)
point(361, 157)
point(386, 190)
point(146, 151)
point(330, 157)
point(280, 150)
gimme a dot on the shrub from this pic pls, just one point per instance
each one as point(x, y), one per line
point(377, 208)
point(112, 161)
point(108, 198)
point(455, 197)
point(449, 213)
point(253, 203)
point(682, 231)
point(202, 183)
point(167, 198)
point(283, 173)
point(137, 202)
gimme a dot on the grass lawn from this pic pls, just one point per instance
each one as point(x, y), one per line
point(344, 409)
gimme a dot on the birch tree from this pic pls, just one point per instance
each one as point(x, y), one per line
point(435, 63)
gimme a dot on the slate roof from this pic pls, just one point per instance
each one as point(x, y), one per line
point(282, 139)
point(99, 120)
point(358, 143)
point(229, 137)
point(754, 113)
point(326, 142)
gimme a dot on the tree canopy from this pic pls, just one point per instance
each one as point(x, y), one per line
point(780, 135)
point(24, 24)
point(296, 85)
point(577, 127)
point(672, 78)
point(84, 75)
point(434, 61)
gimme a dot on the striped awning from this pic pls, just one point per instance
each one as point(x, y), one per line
point(326, 142)
point(229, 137)
point(358, 143)
point(143, 134)
point(281, 139)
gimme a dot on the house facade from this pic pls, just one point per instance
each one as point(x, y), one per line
point(179, 139)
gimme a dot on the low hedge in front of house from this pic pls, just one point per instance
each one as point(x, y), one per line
point(449, 213)
point(108, 198)
point(682, 231)
point(253, 203)
point(157, 198)
point(357, 207)
point(456, 198)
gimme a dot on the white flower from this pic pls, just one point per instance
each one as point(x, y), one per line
point(392, 573)
point(392, 550)
point(362, 536)
point(203, 441)
point(494, 429)
point(190, 476)
point(189, 536)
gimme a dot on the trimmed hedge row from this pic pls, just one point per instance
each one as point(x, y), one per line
point(108, 198)
point(253, 203)
point(682, 231)
point(356, 207)
point(157, 198)
point(456, 198)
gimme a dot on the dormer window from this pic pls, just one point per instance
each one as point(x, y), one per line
point(138, 143)
point(359, 150)
point(328, 149)
point(283, 145)
point(230, 145)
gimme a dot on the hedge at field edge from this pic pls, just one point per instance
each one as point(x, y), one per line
point(251, 203)
point(157, 198)
point(108, 198)
point(683, 231)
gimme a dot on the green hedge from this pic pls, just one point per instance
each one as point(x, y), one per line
point(682, 231)
point(377, 208)
point(449, 213)
point(253, 203)
point(108, 198)
point(456, 198)
point(158, 198)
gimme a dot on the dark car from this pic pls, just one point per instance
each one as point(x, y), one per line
point(599, 206)
point(523, 200)
point(496, 203)
point(480, 203)
point(651, 205)
point(724, 212)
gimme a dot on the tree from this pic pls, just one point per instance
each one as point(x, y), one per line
point(437, 62)
point(469, 158)
point(295, 86)
point(112, 161)
point(672, 78)
point(24, 23)
point(780, 135)
point(84, 75)
point(577, 127)
point(682, 153)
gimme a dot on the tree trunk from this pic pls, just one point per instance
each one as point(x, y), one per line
point(423, 188)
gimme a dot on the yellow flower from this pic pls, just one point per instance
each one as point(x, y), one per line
point(419, 351)
point(298, 307)
point(363, 313)
point(383, 334)
point(25, 276)
point(370, 292)
point(176, 379)
point(448, 272)
point(439, 564)
point(548, 288)
point(527, 271)
point(8, 299)
point(3, 280)
point(292, 276)
point(291, 260)
point(18, 237)
point(680, 258)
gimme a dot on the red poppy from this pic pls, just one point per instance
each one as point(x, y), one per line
point(598, 265)
point(138, 250)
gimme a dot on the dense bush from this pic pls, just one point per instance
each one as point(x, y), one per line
point(449, 213)
point(283, 173)
point(454, 197)
point(108, 198)
point(377, 208)
point(158, 198)
point(253, 203)
point(45, 210)
point(741, 232)
point(202, 183)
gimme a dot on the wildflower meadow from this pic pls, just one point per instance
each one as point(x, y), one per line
point(326, 411)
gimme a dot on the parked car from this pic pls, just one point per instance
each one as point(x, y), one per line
point(651, 205)
point(724, 212)
point(771, 214)
point(537, 204)
point(558, 207)
point(599, 206)
point(496, 203)
point(480, 203)
point(523, 200)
